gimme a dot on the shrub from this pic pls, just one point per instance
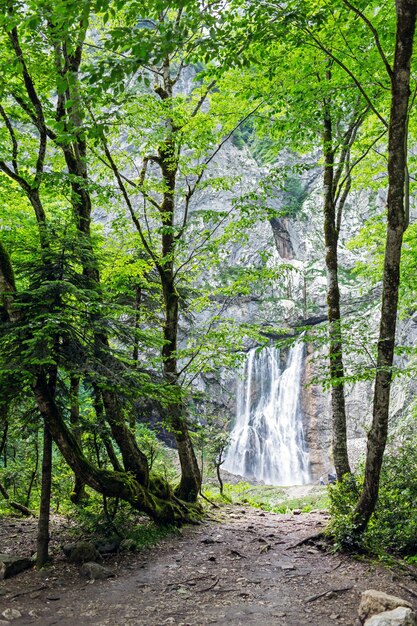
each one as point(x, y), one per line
point(393, 526)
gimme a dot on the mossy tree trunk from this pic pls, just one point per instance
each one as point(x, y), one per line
point(190, 483)
point(155, 498)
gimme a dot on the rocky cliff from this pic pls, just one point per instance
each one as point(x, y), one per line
point(295, 241)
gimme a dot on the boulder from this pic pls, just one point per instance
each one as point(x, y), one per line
point(94, 571)
point(11, 565)
point(374, 601)
point(81, 552)
point(128, 545)
point(11, 614)
point(401, 616)
point(108, 547)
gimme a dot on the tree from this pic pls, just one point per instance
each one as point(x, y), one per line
point(60, 123)
point(397, 209)
point(61, 82)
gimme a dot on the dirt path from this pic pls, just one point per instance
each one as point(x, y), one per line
point(244, 570)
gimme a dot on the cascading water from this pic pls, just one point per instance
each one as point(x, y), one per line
point(267, 439)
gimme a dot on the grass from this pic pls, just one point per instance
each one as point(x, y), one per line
point(269, 498)
point(148, 534)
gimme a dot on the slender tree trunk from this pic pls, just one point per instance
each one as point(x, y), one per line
point(34, 472)
point(42, 542)
point(331, 236)
point(190, 483)
point(78, 492)
point(102, 428)
point(397, 222)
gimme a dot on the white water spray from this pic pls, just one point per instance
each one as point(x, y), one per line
point(267, 439)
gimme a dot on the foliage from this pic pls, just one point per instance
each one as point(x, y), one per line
point(123, 118)
point(393, 526)
point(211, 439)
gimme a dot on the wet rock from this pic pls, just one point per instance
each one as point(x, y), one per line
point(374, 602)
point(81, 552)
point(12, 565)
point(401, 616)
point(94, 571)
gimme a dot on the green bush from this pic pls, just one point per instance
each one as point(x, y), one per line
point(393, 526)
point(343, 498)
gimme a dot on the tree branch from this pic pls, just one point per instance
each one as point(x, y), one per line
point(323, 48)
point(12, 138)
point(129, 205)
point(374, 33)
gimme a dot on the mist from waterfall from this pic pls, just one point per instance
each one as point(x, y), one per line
point(267, 439)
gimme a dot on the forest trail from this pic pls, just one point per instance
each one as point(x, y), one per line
point(245, 570)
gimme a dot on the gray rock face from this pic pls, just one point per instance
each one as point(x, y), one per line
point(292, 245)
point(315, 406)
point(402, 616)
point(374, 602)
point(11, 565)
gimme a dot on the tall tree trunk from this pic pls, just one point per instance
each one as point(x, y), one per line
point(331, 236)
point(78, 493)
point(42, 541)
point(190, 483)
point(397, 223)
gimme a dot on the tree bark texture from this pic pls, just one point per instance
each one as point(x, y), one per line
point(397, 222)
point(190, 483)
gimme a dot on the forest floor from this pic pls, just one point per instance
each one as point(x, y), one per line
point(245, 567)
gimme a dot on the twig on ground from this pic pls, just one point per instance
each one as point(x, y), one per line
point(216, 582)
point(26, 591)
point(237, 553)
point(327, 593)
point(408, 590)
point(310, 538)
point(216, 506)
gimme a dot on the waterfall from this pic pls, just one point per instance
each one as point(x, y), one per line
point(267, 441)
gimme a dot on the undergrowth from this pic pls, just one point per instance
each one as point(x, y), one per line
point(393, 526)
point(268, 498)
